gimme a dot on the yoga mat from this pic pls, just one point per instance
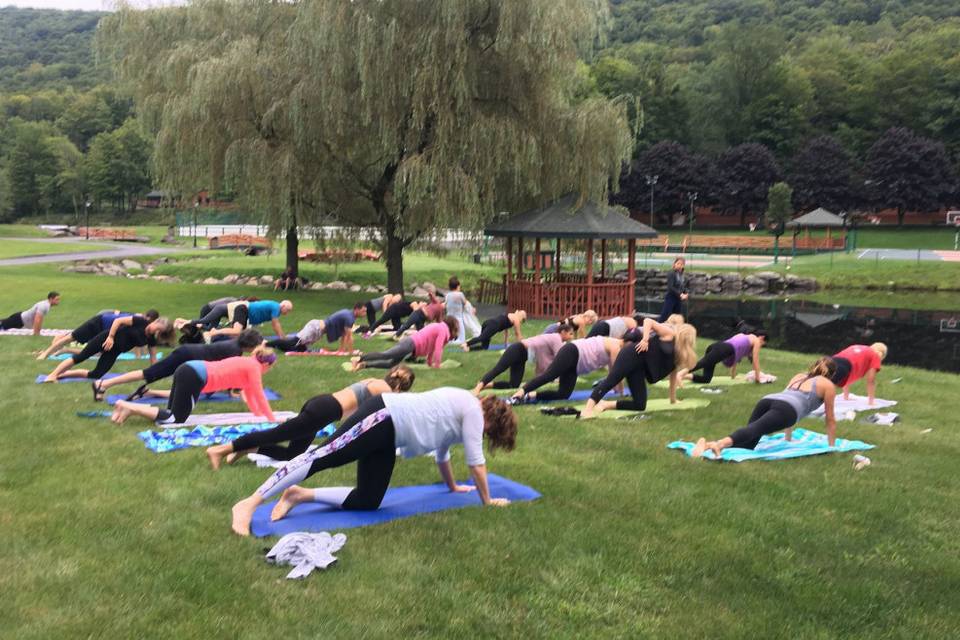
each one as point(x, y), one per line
point(43, 376)
point(718, 381)
point(219, 396)
point(776, 447)
point(323, 352)
point(49, 333)
point(420, 366)
point(206, 419)
point(399, 502)
point(842, 408)
point(123, 356)
point(173, 439)
point(658, 404)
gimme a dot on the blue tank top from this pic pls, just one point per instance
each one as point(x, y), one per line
point(360, 390)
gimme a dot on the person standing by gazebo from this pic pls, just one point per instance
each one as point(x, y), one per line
point(677, 291)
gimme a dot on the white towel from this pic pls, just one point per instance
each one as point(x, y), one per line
point(226, 419)
point(29, 332)
point(765, 378)
point(306, 552)
point(847, 409)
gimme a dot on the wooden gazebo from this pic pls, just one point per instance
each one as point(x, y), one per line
point(818, 219)
point(551, 293)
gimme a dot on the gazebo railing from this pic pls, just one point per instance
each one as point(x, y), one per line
point(560, 299)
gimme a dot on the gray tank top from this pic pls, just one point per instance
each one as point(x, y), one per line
point(803, 402)
point(618, 327)
point(360, 390)
point(377, 303)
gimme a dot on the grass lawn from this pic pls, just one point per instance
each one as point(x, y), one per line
point(21, 248)
point(103, 538)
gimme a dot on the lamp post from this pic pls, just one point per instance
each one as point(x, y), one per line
point(692, 197)
point(195, 206)
point(651, 181)
point(87, 207)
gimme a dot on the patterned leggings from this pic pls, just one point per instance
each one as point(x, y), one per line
point(367, 438)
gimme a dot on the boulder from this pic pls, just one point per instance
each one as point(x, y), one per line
point(420, 292)
point(755, 282)
point(266, 279)
point(131, 264)
point(231, 279)
point(82, 268)
point(768, 275)
point(315, 286)
point(429, 286)
point(210, 281)
point(337, 285)
point(372, 289)
point(355, 288)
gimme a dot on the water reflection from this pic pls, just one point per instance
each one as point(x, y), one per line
point(919, 338)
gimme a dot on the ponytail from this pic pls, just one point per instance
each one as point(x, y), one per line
point(824, 366)
point(264, 355)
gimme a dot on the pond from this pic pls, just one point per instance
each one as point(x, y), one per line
point(918, 337)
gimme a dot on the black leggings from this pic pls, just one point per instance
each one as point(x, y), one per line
point(768, 416)
point(714, 355)
point(290, 343)
point(601, 328)
point(14, 321)
point(371, 313)
point(301, 430)
point(391, 357)
point(212, 317)
point(632, 367)
point(514, 358)
point(417, 319)
point(488, 330)
point(88, 330)
point(563, 369)
point(367, 438)
point(106, 360)
point(184, 394)
point(394, 314)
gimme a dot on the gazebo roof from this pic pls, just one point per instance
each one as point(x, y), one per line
point(558, 219)
point(817, 218)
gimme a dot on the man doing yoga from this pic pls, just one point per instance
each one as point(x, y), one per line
point(33, 317)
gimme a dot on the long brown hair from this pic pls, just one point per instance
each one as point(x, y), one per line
point(499, 423)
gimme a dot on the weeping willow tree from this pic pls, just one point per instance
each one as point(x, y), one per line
point(403, 115)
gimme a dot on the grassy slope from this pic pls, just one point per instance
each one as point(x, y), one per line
point(102, 537)
point(18, 248)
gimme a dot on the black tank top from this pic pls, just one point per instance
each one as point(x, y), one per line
point(659, 359)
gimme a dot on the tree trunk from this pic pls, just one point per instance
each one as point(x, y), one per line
point(293, 250)
point(394, 246)
point(900, 213)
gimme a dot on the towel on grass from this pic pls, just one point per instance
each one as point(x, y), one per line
point(306, 552)
point(718, 381)
point(399, 502)
point(322, 352)
point(847, 409)
point(446, 364)
point(200, 436)
point(765, 378)
point(658, 404)
point(776, 447)
point(42, 377)
point(206, 419)
point(123, 356)
point(49, 333)
point(218, 396)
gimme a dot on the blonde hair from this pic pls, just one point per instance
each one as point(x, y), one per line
point(824, 366)
point(684, 356)
point(165, 332)
point(675, 318)
point(881, 350)
point(590, 316)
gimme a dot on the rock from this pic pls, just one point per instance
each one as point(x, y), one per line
point(420, 292)
point(163, 278)
point(315, 286)
point(231, 279)
point(355, 288)
point(151, 269)
point(755, 282)
point(372, 290)
point(266, 279)
point(131, 264)
point(82, 268)
point(337, 285)
point(768, 275)
point(210, 281)
point(429, 286)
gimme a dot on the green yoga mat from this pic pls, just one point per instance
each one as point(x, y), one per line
point(446, 364)
point(658, 404)
point(718, 381)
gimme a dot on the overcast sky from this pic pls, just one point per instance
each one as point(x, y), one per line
point(89, 5)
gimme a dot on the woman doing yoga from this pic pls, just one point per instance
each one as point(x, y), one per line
point(394, 314)
point(315, 414)
point(124, 334)
point(859, 361)
point(195, 377)
point(427, 343)
point(248, 340)
point(779, 411)
point(579, 322)
point(730, 352)
point(541, 349)
point(493, 326)
point(415, 423)
point(424, 312)
point(614, 327)
point(380, 305)
point(90, 328)
point(648, 356)
point(573, 359)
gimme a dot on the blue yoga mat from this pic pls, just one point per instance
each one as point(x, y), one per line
point(776, 447)
point(123, 356)
point(42, 377)
point(400, 502)
point(219, 396)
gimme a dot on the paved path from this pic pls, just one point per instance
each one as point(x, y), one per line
point(111, 250)
point(917, 255)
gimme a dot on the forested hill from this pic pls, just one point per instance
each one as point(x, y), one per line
point(685, 23)
point(46, 49)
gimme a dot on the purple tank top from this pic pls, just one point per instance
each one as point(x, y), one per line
point(593, 354)
point(741, 348)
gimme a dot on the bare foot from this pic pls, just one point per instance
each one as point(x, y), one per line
point(716, 448)
point(232, 457)
point(699, 448)
point(603, 405)
point(120, 413)
point(216, 454)
point(290, 498)
point(242, 513)
point(50, 378)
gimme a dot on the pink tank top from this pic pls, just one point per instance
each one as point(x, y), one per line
point(593, 354)
point(543, 349)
